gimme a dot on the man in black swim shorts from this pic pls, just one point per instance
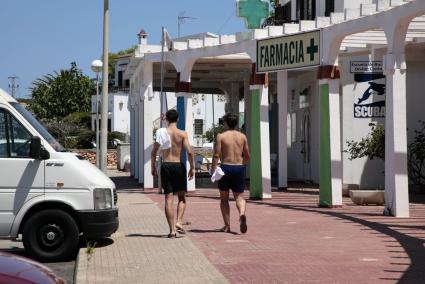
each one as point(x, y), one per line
point(171, 142)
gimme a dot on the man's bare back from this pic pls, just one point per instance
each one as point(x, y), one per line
point(232, 146)
point(178, 140)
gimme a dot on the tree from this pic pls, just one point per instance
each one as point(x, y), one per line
point(57, 95)
point(209, 134)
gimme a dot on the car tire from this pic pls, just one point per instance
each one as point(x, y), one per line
point(51, 235)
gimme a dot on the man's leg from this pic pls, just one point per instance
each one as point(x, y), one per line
point(240, 202)
point(169, 212)
point(225, 209)
point(180, 209)
point(241, 205)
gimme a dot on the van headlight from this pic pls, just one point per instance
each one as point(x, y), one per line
point(102, 198)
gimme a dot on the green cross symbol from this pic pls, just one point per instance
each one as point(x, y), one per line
point(312, 49)
point(253, 11)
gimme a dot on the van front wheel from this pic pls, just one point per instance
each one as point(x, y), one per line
point(50, 235)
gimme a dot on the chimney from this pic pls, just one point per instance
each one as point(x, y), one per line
point(143, 37)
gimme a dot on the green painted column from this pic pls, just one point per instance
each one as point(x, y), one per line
point(255, 172)
point(325, 199)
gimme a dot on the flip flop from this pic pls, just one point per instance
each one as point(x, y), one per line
point(243, 225)
point(225, 229)
point(172, 236)
point(180, 230)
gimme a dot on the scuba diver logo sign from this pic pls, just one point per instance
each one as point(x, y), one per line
point(369, 96)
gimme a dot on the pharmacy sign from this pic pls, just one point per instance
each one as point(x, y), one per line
point(288, 52)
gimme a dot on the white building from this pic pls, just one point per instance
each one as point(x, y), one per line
point(303, 115)
point(118, 113)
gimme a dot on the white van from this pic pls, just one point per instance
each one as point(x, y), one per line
point(49, 196)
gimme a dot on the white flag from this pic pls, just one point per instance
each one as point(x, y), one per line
point(166, 39)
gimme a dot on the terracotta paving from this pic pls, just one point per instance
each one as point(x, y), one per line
point(291, 240)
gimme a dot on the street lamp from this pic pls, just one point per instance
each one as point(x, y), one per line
point(96, 66)
point(104, 113)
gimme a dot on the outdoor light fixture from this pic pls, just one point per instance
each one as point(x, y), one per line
point(96, 66)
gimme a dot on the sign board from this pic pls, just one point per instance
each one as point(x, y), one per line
point(288, 52)
point(366, 67)
point(369, 96)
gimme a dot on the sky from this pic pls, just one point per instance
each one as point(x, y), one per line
point(40, 37)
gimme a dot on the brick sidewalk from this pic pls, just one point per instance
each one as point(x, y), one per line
point(289, 240)
point(141, 252)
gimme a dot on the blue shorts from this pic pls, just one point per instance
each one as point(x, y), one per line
point(234, 178)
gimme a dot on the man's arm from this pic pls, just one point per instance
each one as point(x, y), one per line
point(217, 154)
point(246, 155)
point(189, 152)
point(153, 158)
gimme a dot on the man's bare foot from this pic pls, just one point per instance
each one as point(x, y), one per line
point(243, 225)
point(225, 229)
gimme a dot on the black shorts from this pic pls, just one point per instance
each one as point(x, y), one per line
point(173, 177)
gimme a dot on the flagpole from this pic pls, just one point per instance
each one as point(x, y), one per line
point(161, 121)
point(162, 75)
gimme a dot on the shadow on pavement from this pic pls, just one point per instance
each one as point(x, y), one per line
point(412, 246)
point(150, 236)
point(198, 231)
point(126, 183)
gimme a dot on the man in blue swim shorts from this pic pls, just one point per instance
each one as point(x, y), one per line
point(232, 148)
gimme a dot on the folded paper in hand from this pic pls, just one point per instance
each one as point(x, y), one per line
point(217, 174)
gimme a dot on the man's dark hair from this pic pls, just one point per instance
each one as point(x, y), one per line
point(231, 120)
point(172, 115)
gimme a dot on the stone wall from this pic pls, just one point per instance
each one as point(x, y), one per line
point(90, 155)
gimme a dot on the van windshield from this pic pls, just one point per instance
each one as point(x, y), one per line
point(38, 126)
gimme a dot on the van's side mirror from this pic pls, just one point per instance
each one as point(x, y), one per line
point(35, 148)
point(37, 152)
point(45, 155)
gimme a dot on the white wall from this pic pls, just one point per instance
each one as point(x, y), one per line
point(120, 114)
point(415, 91)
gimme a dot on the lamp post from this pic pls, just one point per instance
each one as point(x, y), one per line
point(105, 104)
point(96, 66)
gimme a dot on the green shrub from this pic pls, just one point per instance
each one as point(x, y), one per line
point(373, 146)
point(79, 118)
point(116, 135)
point(416, 156)
point(211, 134)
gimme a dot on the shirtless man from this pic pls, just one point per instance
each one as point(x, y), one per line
point(171, 142)
point(232, 148)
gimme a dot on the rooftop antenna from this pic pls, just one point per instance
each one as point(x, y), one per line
point(13, 85)
point(181, 20)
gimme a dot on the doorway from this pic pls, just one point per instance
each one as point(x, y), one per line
point(306, 146)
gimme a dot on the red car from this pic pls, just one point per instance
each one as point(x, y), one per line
point(19, 270)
